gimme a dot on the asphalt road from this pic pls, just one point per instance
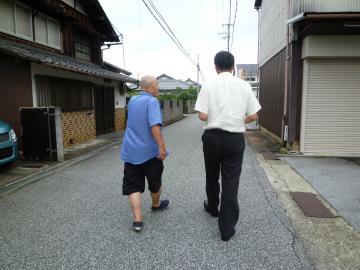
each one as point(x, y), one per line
point(78, 219)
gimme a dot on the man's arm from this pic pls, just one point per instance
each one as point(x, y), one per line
point(156, 132)
point(203, 116)
point(250, 118)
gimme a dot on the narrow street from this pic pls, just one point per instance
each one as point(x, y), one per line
point(78, 219)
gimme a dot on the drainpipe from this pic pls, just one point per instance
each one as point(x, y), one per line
point(258, 65)
point(284, 126)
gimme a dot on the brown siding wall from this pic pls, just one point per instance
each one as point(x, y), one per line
point(78, 127)
point(271, 94)
point(295, 92)
point(15, 90)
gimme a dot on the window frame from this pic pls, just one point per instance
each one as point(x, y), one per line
point(90, 53)
point(14, 3)
point(47, 32)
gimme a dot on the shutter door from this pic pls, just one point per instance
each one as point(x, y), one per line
point(332, 117)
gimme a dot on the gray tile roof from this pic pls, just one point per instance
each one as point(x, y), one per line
point(167, 83)
point(57, 60)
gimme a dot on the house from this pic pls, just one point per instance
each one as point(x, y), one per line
point(249, 73)
point(50, 55)
point(309, 74)
point(168, 84)
point(195, 84)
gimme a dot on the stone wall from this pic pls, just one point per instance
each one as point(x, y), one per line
point(120, 119)
point(189, 106)
point(78, 127)
point(172, 110)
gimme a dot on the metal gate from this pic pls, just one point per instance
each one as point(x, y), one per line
point(41, 133)
point(104, 109)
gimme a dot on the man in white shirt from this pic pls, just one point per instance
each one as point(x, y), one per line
point(226, 104)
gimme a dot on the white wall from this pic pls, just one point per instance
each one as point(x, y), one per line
point(37, 69)
point(331, 46)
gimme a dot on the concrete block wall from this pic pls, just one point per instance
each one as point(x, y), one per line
point(171, 114)
point(189, 106)
point(78, 127)
point(120, 119)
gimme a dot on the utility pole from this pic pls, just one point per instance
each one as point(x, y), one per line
point(226, 34)
point(198, 71)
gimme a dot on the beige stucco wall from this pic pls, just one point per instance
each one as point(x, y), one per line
point(331, 46)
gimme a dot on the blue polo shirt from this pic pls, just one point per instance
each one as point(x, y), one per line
point(139, 144)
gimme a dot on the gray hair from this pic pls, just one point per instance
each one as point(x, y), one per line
point(146, 82)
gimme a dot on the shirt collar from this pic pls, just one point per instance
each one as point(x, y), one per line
point(145, 93)
point(227, 74)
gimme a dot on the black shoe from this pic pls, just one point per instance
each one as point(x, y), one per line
point(138, 225)
point(162, 206)
point(214, 213)
point(227, 238)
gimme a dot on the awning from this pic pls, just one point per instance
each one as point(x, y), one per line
point(57, 60)
point(324, 16)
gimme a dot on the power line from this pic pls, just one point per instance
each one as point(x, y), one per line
point(168, 27)
point(173, 38)
point(170, 32)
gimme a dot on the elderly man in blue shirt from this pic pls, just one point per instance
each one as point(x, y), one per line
point(143, 150)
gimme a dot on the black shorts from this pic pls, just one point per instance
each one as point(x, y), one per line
point(134, 176)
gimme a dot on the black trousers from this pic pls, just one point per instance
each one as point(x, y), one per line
point(223, 152)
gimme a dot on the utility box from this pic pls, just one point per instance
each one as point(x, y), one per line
point(42, 133)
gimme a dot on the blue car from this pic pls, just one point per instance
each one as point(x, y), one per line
point(9, 150)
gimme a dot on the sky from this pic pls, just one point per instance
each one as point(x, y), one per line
point(196, 23)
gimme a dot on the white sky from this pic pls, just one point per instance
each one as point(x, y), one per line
point(196, 23)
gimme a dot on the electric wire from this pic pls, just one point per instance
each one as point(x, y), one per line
point(161, 21)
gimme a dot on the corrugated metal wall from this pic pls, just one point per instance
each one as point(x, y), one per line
point(329, 5)
point(271, 94)
point(331, 107)
point(273, 16)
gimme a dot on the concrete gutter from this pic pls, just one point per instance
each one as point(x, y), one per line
point(331, 243)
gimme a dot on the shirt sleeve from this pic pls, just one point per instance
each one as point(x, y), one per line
point(253, 105)
point(154, 113)
point(202, 102)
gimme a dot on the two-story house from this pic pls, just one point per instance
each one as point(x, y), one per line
point(310, 74)
point(50, 55)
point(249, 73)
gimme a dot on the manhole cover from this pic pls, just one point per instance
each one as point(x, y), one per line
point(310, 205)
point(32, 166)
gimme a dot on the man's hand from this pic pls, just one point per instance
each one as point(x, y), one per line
point(250, 118)
point(156, 132)
point(162, 152)
point(203, 116)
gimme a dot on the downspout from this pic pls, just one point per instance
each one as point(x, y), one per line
point(258, 66)
point(284, 128)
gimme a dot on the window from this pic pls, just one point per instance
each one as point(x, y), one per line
point(82, 48)
point(178, 103)
point(16, 19)
point(47, 31)
point(171, 104)
point(70, 95)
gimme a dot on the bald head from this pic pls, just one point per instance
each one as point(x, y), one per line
point(149, 84)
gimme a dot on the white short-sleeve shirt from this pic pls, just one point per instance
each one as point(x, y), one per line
point(227, 101)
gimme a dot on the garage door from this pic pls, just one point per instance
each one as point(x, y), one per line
point(331, 107)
